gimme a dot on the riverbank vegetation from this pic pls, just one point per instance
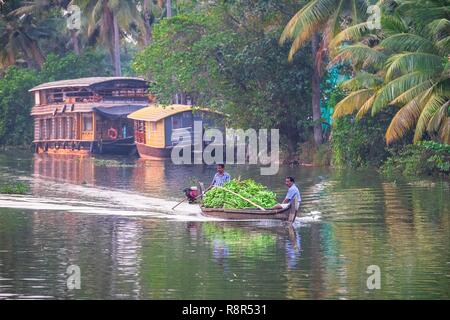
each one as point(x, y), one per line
point(423, 158)
point(381, 71)
point(14, 188)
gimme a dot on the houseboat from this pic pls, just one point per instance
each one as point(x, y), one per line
point(87, 115)
point(158, 128)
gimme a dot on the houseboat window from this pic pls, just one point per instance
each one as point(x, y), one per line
point(57, 128)
point(150, 128)
point(176, 121)
point(48, 129)
point(63, 128)
point(187, 119)
point(140, 131)
point(71, 128)
point(37, 98)
point(41, 129)
point(87, 122)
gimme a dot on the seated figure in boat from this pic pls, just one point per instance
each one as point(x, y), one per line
point(292, 193)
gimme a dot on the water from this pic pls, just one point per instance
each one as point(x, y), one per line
point(112, 217)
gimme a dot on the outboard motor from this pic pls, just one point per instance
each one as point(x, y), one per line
point(191, 193)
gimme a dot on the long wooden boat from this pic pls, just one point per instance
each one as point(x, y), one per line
point(287, 214)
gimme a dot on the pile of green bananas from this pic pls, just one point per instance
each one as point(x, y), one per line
point(249, 189)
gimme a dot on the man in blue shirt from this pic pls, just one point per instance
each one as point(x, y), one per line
point(220, 177)
point(291, 194)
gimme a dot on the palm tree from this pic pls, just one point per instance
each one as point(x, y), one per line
point(19, 38)
point(109, 21)
point(168, 8)
point(40, 9)
point(151, 11)
point(327, 17)
point(411, 71)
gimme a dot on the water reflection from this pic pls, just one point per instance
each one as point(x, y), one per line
point(401, 226)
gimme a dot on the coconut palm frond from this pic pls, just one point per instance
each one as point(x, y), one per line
point(393, 24)
point(444, 45)
point(301, 38)
point(438, 28)
point(404, 120)
point(360, 54)
point(362, 80)
point(402, 63)
point(306, 22)
point(354, 33)
point(438, 119)
point(292, 28)
point(431, 107)
point(365, 108)
point(423, 11)
point(352, 102)
point(444, 132)
point(408, 42)
point(396, 87)
point(415, 91)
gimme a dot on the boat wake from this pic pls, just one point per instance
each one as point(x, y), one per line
point(66, 197)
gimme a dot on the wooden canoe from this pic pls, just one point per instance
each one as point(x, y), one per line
point(287, 214)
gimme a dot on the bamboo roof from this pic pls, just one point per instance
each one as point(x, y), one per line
point(156, 112)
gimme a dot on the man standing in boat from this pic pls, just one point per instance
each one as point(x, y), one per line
point(220, 177)
point(292, 193)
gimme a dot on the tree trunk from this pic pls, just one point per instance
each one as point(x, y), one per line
point(74, 36)
point(315, 84)
point(116, 35)
point(148, 27)
point(36, 54)
point(168, 8)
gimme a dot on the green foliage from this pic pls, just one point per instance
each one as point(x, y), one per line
point(15, 101)
point(323, 155)
point(71, 66)
point(182, 56)
point(359, 143)
point(237, 68)
point(249, 189)
point(15, 106)
point(410, 56)
point(15, 188)
point(423, 158)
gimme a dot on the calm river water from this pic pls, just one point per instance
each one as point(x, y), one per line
point(112, 218)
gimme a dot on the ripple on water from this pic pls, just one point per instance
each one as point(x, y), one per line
point(130, 244)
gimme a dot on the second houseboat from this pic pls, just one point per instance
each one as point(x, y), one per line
point(157, 128)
